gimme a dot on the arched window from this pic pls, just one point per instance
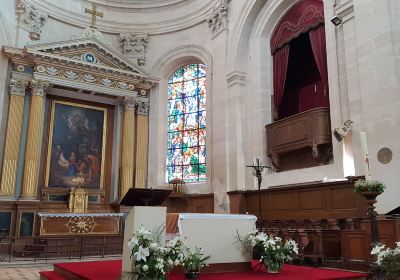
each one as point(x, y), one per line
point(186, 157)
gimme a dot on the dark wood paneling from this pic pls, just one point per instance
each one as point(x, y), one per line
point(181, 203)
point(316, 200)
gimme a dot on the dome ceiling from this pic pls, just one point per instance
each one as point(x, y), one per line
point(150, 16)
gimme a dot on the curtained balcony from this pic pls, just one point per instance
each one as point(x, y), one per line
point(299, 141)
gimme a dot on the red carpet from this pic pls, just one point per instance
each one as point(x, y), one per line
point(111, 270)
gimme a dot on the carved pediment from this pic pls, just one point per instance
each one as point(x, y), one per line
point(87, 51)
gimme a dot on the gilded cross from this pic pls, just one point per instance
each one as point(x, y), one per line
point(94, 14)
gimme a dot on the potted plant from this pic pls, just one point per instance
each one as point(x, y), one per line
point(369, 186)
point(388, 260)
point(193, 262)
point(273, 250)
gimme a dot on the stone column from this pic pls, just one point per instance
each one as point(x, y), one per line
point(127, 145)
point(33, 143)
point(13, 135)
point(142, 144)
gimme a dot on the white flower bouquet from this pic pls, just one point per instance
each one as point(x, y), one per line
point(388, 260)
point(274, 251)
point(152, 261)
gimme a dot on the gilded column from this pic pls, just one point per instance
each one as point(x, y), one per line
point(128, 145)
point(142, 144)
point(13, 136)
point(33, 143)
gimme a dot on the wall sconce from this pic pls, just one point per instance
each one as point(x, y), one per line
point(336, 20)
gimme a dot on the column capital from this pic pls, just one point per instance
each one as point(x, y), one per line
point(39, 87)
point(128, 103)
point(18, 87)
point(143, 108)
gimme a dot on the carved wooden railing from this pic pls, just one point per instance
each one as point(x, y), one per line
point(301, 140)
point(343, 243)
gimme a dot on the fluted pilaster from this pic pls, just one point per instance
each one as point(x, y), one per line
point(142, 144)
point(13, 136)
point(128, 145)
point(33, 145)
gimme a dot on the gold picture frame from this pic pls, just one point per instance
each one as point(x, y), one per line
point(51, 137)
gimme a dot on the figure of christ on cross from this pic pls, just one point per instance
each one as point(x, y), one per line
point(94, 14)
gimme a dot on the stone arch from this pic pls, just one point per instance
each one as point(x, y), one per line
point(176, 57)
point(162, 69)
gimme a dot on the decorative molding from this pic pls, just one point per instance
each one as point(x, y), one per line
point(195, 13)
point(143, 108)
point(218, 20)
point(34, 18)
point(128, 103)
point(345, 10)
point(18, 87)
point(134, 46)
point(89, 33)
point(236, 78)
point(39, 88)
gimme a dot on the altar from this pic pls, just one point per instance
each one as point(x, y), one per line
point(66, 224)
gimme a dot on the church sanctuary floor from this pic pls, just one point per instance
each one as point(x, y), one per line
point(30, 270)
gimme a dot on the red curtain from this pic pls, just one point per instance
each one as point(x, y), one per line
point(302, 17)
point(280, 61)
point(318, 45)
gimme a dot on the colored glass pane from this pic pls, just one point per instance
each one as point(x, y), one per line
point(190, 104)
point(175, 172)
point(202, 136)
point(177, 76)
point(175, 139)
point(190, 138)
point(202, 119)
point(202, 70)
point(191, 155)
point(189, 72)
point(191, 121)
point(175, 122)
point(175, 90)
point(190, 88)
point(202, 154)
point(202, 102)
point(186, 114)
point(202, 85)
point(175, 106)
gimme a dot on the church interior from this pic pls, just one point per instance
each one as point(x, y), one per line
point(268, 111)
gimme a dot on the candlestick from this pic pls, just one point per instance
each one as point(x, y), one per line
point(365, 157)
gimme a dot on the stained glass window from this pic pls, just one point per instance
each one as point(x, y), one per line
point(186, 157)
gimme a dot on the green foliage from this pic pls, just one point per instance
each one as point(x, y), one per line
point(391, 266)
point(369, 186)
point(195, 260)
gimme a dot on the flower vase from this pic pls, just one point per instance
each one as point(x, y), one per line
point(273, 267)
point(191, 275)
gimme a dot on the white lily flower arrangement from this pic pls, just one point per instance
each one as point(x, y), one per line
point(388, 260)
point(151, 259)
point(274, 251)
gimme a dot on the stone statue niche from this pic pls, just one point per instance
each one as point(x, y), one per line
point(78, 200)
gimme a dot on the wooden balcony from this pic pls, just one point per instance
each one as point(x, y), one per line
point(299, 141)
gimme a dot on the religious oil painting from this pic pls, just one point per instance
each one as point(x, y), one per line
point(76, 146)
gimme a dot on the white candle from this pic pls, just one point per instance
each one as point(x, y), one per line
point(365, 157)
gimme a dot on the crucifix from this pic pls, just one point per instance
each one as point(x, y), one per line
point(257, 169)
point(94, 14)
